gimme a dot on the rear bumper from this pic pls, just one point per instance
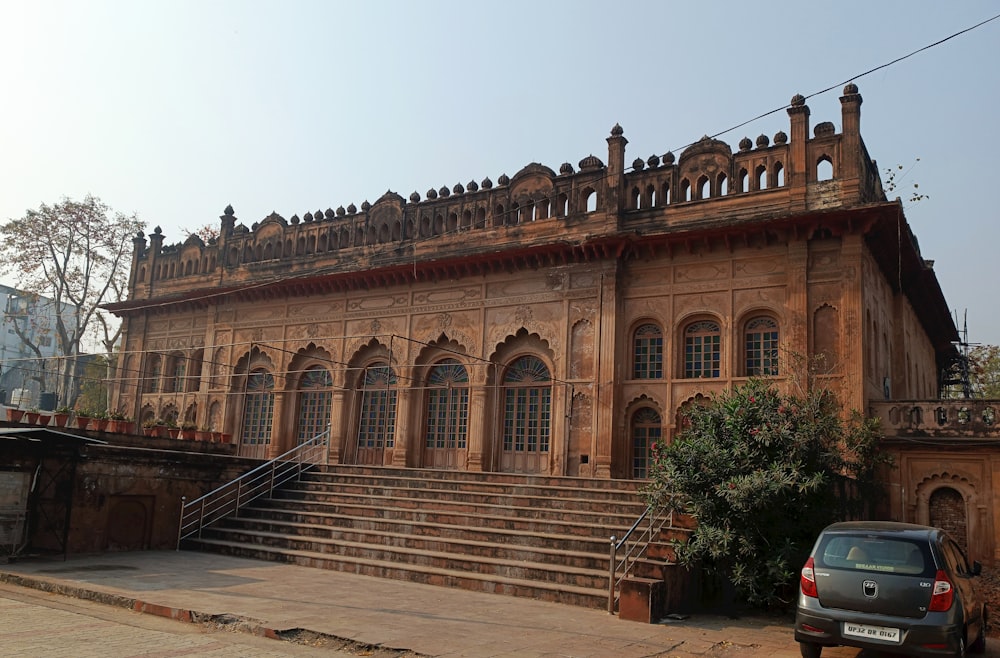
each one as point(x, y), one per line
point(934, 635)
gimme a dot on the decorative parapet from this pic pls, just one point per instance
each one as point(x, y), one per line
point(960, 419)
point(762, 178)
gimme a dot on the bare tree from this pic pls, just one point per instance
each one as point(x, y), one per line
point(77, 254)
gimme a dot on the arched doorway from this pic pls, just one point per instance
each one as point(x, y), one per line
point(947, 510)
point(377, 419)
point(447, 416)
point(527, 416)
point(258, 415)
point(646, 429)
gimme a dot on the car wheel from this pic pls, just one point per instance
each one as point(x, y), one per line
point(810, 650)
point(979, 646)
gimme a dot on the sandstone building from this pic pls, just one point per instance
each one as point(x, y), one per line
point(550, 322)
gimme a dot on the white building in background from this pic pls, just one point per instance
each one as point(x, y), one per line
point(23, 375)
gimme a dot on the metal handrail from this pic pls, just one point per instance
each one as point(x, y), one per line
point(662, 514)
point(261, 481)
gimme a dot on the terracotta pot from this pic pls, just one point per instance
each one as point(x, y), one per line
point(173, 432)
point(43, 419)
point(149, 431)
point(15, 415)
point(82, 422)
point(99, 424)
point(59, 420)
point(31, 417)
point(202, 435)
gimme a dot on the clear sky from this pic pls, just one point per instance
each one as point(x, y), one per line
point(174, 108)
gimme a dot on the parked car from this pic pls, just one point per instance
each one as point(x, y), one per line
point(893, 587)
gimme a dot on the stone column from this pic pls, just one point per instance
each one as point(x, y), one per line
point(280, 432)
point(338, 427)
point(605, 402)
point(403, 441)
point(799, 172)
point(477, 427)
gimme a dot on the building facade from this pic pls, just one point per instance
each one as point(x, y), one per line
point(550, 322)
point(29, 323)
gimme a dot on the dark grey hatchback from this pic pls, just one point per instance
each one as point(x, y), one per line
point(894, 587)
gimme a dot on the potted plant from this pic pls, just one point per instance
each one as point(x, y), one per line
point(99, 421)
point(14, 414)
point(150, 426)
point(188, 429)
point(31, 415)
point(44, 416)
point(82, 419)
point(172, 430)
point(203, 434)
point(61, 415)
point(117, 422)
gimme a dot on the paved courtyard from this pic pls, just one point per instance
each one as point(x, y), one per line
point(275, 600)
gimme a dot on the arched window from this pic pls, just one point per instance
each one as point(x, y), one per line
point(447, 405)
point(647, 352)
point(824, 168)
point(154, 369)
point(258, 409)
point(377, 428)
point(527, 406)
point(315, 401)
point(647, 429)
point(702, 349)
point(179, 373)
point(761, 347)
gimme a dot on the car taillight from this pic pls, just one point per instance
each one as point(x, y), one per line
point(942, 594)
point(808, 580)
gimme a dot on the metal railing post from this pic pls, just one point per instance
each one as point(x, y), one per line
point(201, 517)
point(611, 576)
point(180, 524)
point(239, 492)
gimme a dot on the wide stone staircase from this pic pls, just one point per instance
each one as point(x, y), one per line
point(536, 536)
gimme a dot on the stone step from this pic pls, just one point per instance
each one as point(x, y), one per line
point(510, 548)
point(597, 544)
point(592, 576)
point(378, 474)
point(559, 488)
point(471, 515)
point(534, 497)
point(490, 583)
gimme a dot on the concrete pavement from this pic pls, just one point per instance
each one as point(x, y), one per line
point(273, 600)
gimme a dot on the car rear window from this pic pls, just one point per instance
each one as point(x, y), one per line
point(874, 553)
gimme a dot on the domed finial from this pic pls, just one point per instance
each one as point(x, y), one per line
point(473, 186)
point(653, 161)
point(158, 231)
point(638, 164)
point(762, 141)
point(850, 88)
point(780, 138)
point(798, 100)
point(746, 144)
point(617, 131)
point(669, 158)
point(415, 197)
point(229, 212)
point(503, 180)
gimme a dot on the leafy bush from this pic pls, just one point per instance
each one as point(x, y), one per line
point(762, 473)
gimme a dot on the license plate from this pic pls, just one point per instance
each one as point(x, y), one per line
point(883, 633)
